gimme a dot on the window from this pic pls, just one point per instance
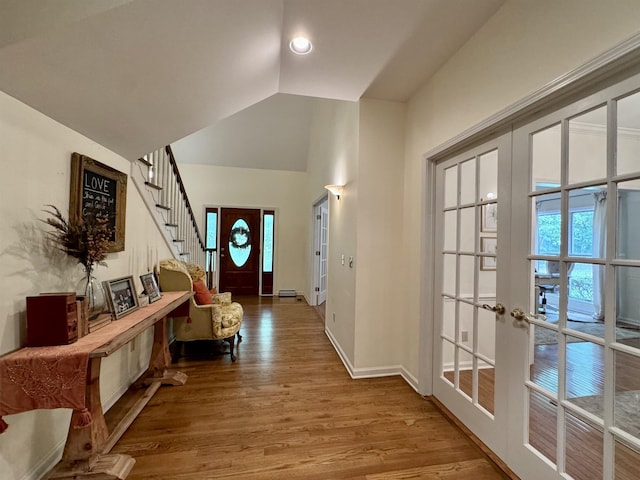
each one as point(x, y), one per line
point(211, 228)
point(211, 237)
point(580, 244)
point(268, 236)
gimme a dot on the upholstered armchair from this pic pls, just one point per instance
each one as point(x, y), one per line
point(212, 316)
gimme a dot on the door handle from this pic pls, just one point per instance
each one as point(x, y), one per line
point(497, 308)
point(519, 315)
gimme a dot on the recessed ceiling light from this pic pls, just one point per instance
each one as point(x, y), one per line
point(300, 45)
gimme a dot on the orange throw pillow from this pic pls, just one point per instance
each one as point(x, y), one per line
point(202, 295)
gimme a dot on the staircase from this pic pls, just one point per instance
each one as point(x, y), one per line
point(157, 178)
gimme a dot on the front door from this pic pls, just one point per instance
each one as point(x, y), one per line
point(240, 251)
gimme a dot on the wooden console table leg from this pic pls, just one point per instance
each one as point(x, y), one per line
point(82, 456)
point(161, 359)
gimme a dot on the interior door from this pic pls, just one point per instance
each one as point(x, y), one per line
point(240, 251)
point(575, 306)
point(472, 198)
point(322, 230)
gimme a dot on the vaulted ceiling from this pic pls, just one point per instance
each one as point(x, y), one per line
point(135, 75)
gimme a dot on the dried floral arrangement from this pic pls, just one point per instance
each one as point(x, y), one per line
point(86, 239)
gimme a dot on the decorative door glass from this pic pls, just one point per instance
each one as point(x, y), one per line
point(240, 242)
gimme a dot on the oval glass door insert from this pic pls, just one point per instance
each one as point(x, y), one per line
point(240, 242)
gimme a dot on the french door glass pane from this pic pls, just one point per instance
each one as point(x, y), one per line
point(628, 303)
point(468, 182)
point(467, 229)
point(584, 375)
point(588, 146)
point(628, 140)
point(451, 187)
point(465, 369)
point(489, 176)
point(448, 361)
point(543, 418)
point(544, 365)
point(627, 460)
point(585, 307)
point(467, 282)
point(449, 274)
point(450, 229)
point(628, 230)
point(465, 335)
point(547, 225)
point(546, 158)
point(627, 393)
point(449, 317)
point(587, 228)
point(486, 333)
point(584, 448)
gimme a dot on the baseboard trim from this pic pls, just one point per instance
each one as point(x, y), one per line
point(372, 372)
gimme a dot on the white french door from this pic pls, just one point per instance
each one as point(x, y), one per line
point(576, 278)
point(472, 199)
point(556, 395)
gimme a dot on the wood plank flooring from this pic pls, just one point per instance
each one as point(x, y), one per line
point(287, 409)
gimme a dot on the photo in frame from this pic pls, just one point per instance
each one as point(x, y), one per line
point(150, 286)
point(121, 295)
point(489, 218)
point(488, 245)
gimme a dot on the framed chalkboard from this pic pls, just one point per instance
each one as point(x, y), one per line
point(101, 191)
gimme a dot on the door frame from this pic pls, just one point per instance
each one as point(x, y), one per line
point(314, 241)
point(262, 210)
point(315, 258)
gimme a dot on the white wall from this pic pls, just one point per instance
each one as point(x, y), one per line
point(333, 154)
point(524, 46)
point(211, 186)
point(36, 171)
point(379, 240)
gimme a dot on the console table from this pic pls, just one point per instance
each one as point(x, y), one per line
point(86, 452)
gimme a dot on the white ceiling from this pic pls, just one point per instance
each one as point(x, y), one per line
point(135, 75)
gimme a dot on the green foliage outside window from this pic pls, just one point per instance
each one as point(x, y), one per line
point(580, 244)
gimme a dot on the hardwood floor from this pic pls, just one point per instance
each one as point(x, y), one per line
point(287, 409)
point(585, 381)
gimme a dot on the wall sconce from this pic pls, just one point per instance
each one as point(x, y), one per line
point(335, 189)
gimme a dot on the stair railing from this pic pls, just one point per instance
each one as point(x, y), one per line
point(168, 203)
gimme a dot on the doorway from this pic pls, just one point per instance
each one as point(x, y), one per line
point(537, 320)
point(321, 235)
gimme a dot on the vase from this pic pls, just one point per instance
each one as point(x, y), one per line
point(91, 288)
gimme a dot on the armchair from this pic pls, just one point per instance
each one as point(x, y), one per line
point(212, 316)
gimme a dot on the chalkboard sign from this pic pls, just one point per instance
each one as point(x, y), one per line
point(98, 190)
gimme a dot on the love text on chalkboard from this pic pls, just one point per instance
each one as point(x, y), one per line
point(99, 191)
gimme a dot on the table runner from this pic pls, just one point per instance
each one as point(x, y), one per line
point(55, 377)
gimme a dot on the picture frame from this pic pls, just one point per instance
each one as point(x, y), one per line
point(101, 191)
point(489, 221)
point(121, 295)
point(488, 245)
point(150, 286)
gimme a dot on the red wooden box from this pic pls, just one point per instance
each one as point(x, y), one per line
point(52, 319)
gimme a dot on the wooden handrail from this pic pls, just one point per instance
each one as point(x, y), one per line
point(174, 166)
